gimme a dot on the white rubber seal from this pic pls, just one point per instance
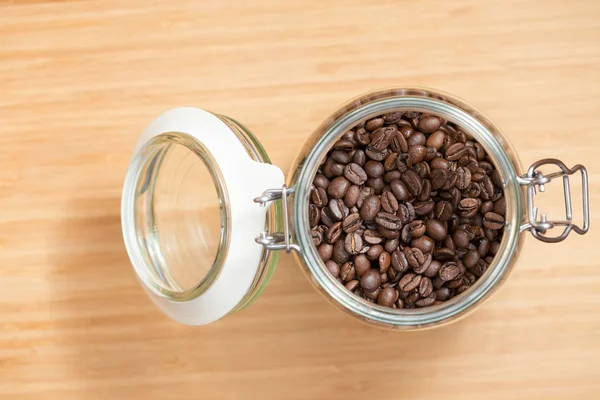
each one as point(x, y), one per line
point(245, 180)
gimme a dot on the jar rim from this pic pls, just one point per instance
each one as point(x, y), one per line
point(472, 122)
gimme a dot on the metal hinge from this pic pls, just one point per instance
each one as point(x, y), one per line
point(277, 240)
point(538, 225)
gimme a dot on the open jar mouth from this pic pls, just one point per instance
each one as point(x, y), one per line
point(471, 122)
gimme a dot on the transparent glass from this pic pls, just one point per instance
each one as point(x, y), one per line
point(472, 122)
point(177, 213)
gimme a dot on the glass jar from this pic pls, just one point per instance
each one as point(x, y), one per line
point(204, 213)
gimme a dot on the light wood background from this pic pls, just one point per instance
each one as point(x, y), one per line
point(79, 80)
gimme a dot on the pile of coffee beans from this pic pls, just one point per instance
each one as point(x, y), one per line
point(407, 210)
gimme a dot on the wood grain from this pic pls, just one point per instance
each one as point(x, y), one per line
point(79, 80)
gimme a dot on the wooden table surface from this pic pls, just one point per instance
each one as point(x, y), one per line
point(79, 80)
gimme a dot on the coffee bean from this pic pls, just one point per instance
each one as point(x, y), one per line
point(319, 197)
point(468, 207)
point(416, 154)
point(400, 190)
point(388, 233)
point(413, 182)
point(438, 178)
point(353, 243)
point(444, 254)
point(399, 261)
point(436, 140)
point(351, 223)
point(494, 247)
point(432, 270)
point(471, 258)
point(361, 265)
point(479, 268)
point(342, 157)
point(429, 124)
point(359, 157)
point(355, 174)
point(352, 285)
point(325, 251)
point(380, 138)
point(362, 137)
point(499, 206)
point(314, 215)
point(347, 272)
point(409, 282)
point(424, 243)
point(391, 245)
point(374, 124)
point(317, 237)
point(321, 181)
point(463, 178)
point(443, 294)
point(398, 143)
point(426, 301)
point(436, 230)
point(340, 255)
point(387, 297)
point(334, 233)
point(376, 184)
point(443, 210)
point(351, 196)
point(449, 271)
point(390, 163)
point(416, 139)
point(388, 221)
point(391, 176)
point(493, 221)
point(389, 202)
point(333, 268)
point(336, 209)
point(370, 208)
point(393, 117)
point(406, 212)
point(440, 163)
point(374, 252)
point(370, 280)
point(338, 187)
point(384, 261)
point(424, 207)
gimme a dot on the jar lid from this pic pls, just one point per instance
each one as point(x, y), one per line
point(188, 214)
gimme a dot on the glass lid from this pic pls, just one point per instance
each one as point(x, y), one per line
point(188, 214)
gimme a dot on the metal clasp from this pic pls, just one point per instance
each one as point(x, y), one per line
point(536, 179)
point(277, 240)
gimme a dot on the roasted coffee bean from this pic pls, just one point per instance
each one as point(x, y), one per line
point(468, 207)
point(325, 251)
point(412, 192)
point(340, 255)
point(389, 202)
point(333, 268)
point(409, 282)
point(374, 252)
point(443, 210)
point(353, 243)
point(413, 182)
point(493, 221)
point(374, 124)
point(384, 261)
point(314, 215)
point(370, 208)
point(338, 187)
point(348, 272)
point(351, 196)
point(399, 261)
point(436, 140)
point(388, 221)
point(416, 154)
point(424, 243)
point(336, 209)
point(387, 297)
point(432, 271)
point(443, 294)
point(319, 197)
point(355, 174)
point(449, 271)
point(334, 233)
point(424, 207)
point(370, 280)
point(342, 157)
point(317, 237)
point(436, 230)
point(426, 301)
point(471, 258)
point(321, 181)
point(400, 190)
point(377, 184)
point(352, 285)
point(429, 124)
point(351, 223)
point(444, 254)
point(388, 233)
point(416, 139)
point(406, 212)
